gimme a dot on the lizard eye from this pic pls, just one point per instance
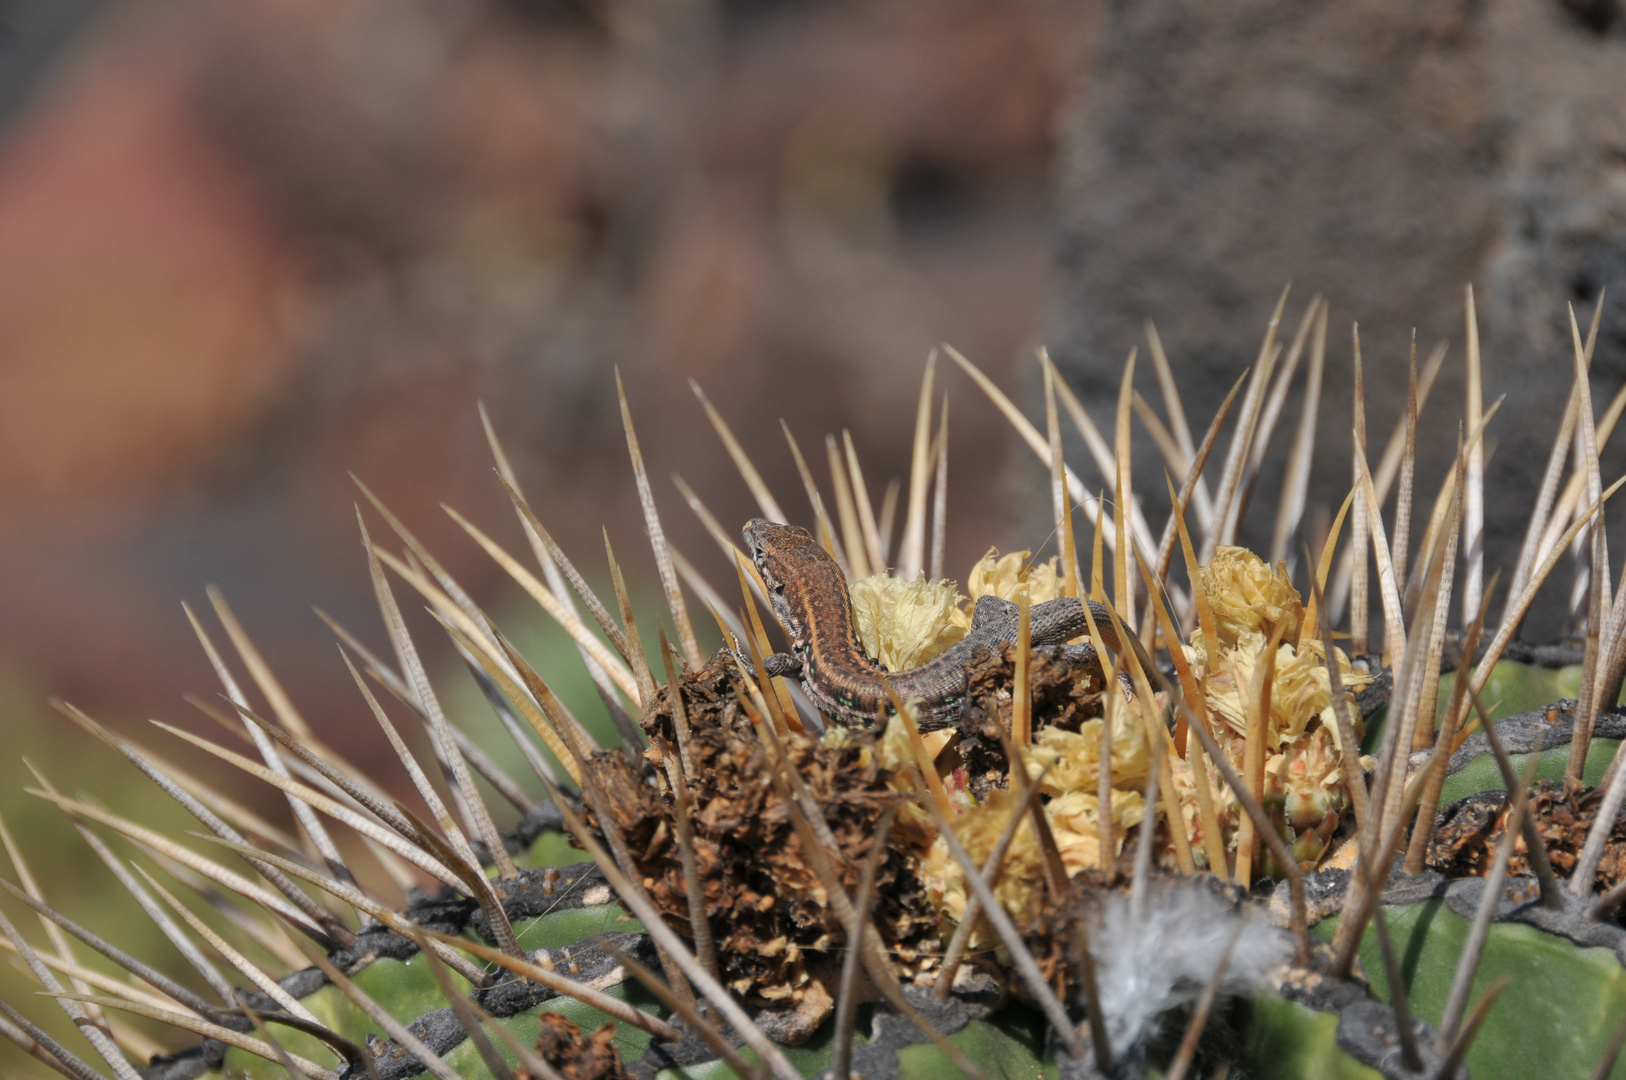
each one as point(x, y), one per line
point(780, 589)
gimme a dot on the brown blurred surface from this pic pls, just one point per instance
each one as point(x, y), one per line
point(246, 249)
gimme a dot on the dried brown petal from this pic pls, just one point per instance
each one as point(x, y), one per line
point(577, 1057)
point(1466, 834)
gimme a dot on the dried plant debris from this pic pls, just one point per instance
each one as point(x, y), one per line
point(1466, 834)
point(777, 937)
point(576, 1056)
point(1064, 697)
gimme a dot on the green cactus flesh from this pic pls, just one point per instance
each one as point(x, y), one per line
point(1554, 1018)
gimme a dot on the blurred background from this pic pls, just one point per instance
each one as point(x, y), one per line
point(248, 248)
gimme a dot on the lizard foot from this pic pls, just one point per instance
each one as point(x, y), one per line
point(776, 664)
point(1084, 655)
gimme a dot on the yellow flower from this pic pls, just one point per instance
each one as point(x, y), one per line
point(1021, 876)
point(1249, 599)
point(896, 749)
point(1252, 603)
point(1003, 575)
point(1075, 757)
point(903, 624)
point(1300, 692)
point(896, 753)
point(1185, 786)
point(1073, 811)
point(1306, 780)
point(1074, 821)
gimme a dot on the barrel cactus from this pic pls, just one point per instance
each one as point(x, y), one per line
point(1271, 852)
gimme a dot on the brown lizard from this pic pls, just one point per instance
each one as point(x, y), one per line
point(809, 595)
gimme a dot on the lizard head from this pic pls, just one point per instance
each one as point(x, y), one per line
point(783, 554)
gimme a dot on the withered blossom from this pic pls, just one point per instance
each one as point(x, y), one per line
point(903, 624)
point(1004, 575)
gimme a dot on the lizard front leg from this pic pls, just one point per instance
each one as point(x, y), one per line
point(783, 663)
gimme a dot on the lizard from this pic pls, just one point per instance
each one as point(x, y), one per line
point(808, 593)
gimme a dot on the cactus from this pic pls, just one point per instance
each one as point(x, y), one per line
point(1098, 872)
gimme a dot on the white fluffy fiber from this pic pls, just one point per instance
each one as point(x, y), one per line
point(1164, 959)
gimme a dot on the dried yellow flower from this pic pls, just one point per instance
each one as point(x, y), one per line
point(1075, 757)
point(895, 751)
point(903, 624)
point(1306, 780)
point(1074, 821)
point(1250, 599)
point(1021, 876)
point(1003, 575)
point(1300, 692)
point(1251, 602)
point(1226, 810)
